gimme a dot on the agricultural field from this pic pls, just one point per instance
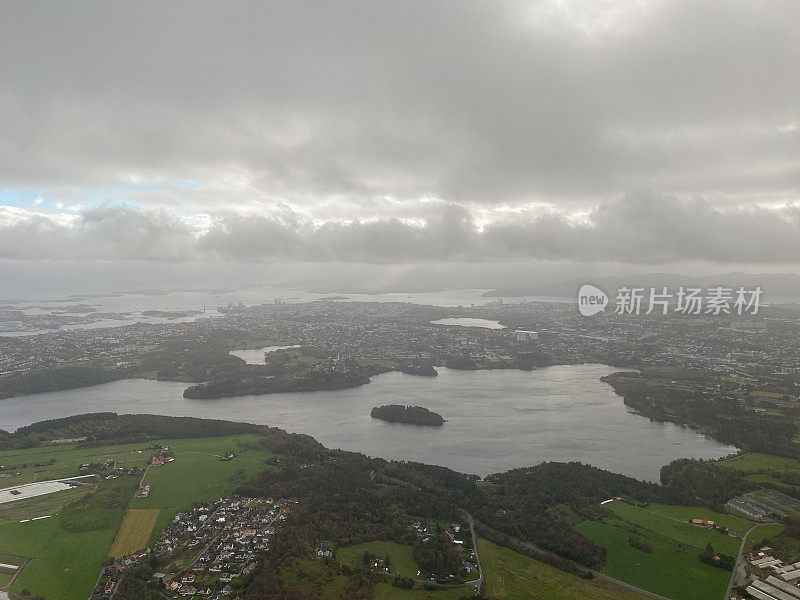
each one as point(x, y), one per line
point(53, 462)
point(673, 568)
point(672, 522)
point(765, 478)
point(753, 461)
point(102, 508)
point(5, 578)
point(514, 576)
point(669, 570)
point(63, 565)
point(14, 481)
point(50, 504)
point(385, 591)
point(134, 533)
point(402, 561)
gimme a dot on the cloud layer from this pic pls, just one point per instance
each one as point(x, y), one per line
point(401, 131)
point(643, 227)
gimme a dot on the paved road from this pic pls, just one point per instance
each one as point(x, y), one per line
point(739, 559)
point(477, 583)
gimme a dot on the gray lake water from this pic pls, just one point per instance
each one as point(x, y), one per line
point(257, 356)
point(470, 322)
point(496, 420)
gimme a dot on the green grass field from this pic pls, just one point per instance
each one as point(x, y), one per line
point(672, 522)
point(104, 508)
point(402, 560)
point(66, 459)
point(63, 565)
point(514, 576)
point(753, 461)
point(385, 591)
point(5, 577)
point(676, 545)
point(668, 570)
point(49, 504)
point(765, 478)
point(14, 481)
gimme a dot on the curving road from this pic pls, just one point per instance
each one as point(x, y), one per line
point(739, 558)
point(477, 583)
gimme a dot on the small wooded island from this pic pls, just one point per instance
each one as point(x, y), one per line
point(415, 415)
point(423, 370)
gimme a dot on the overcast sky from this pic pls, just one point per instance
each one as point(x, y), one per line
point(640, 133)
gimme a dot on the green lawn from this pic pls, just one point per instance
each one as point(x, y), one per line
point(672, 522)
point(514, 576)
point(385, 591)
point(670, 570)
point(402, 560)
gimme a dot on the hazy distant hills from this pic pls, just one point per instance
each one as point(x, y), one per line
point(774, 285)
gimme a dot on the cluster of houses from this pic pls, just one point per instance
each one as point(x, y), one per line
point(455, 534)
point(325, 550)
point(110, 576)
point(223, 540)
point(226, 536)
point(782, 584)
point(163, 457)
point(143, 491)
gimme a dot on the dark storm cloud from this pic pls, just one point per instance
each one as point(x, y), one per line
point(320, 130)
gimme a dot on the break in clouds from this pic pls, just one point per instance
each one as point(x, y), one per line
point(639, 132)
point(642, 227)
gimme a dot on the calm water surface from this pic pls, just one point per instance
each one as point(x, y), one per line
point(470, 322)
point(256, 356)
point(496, 420)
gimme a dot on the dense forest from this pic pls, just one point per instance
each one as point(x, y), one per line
point(333, 380)
point(414, 415)
point(111, 428)
point(720, 415)
point(424, 370)
point(59, 378)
